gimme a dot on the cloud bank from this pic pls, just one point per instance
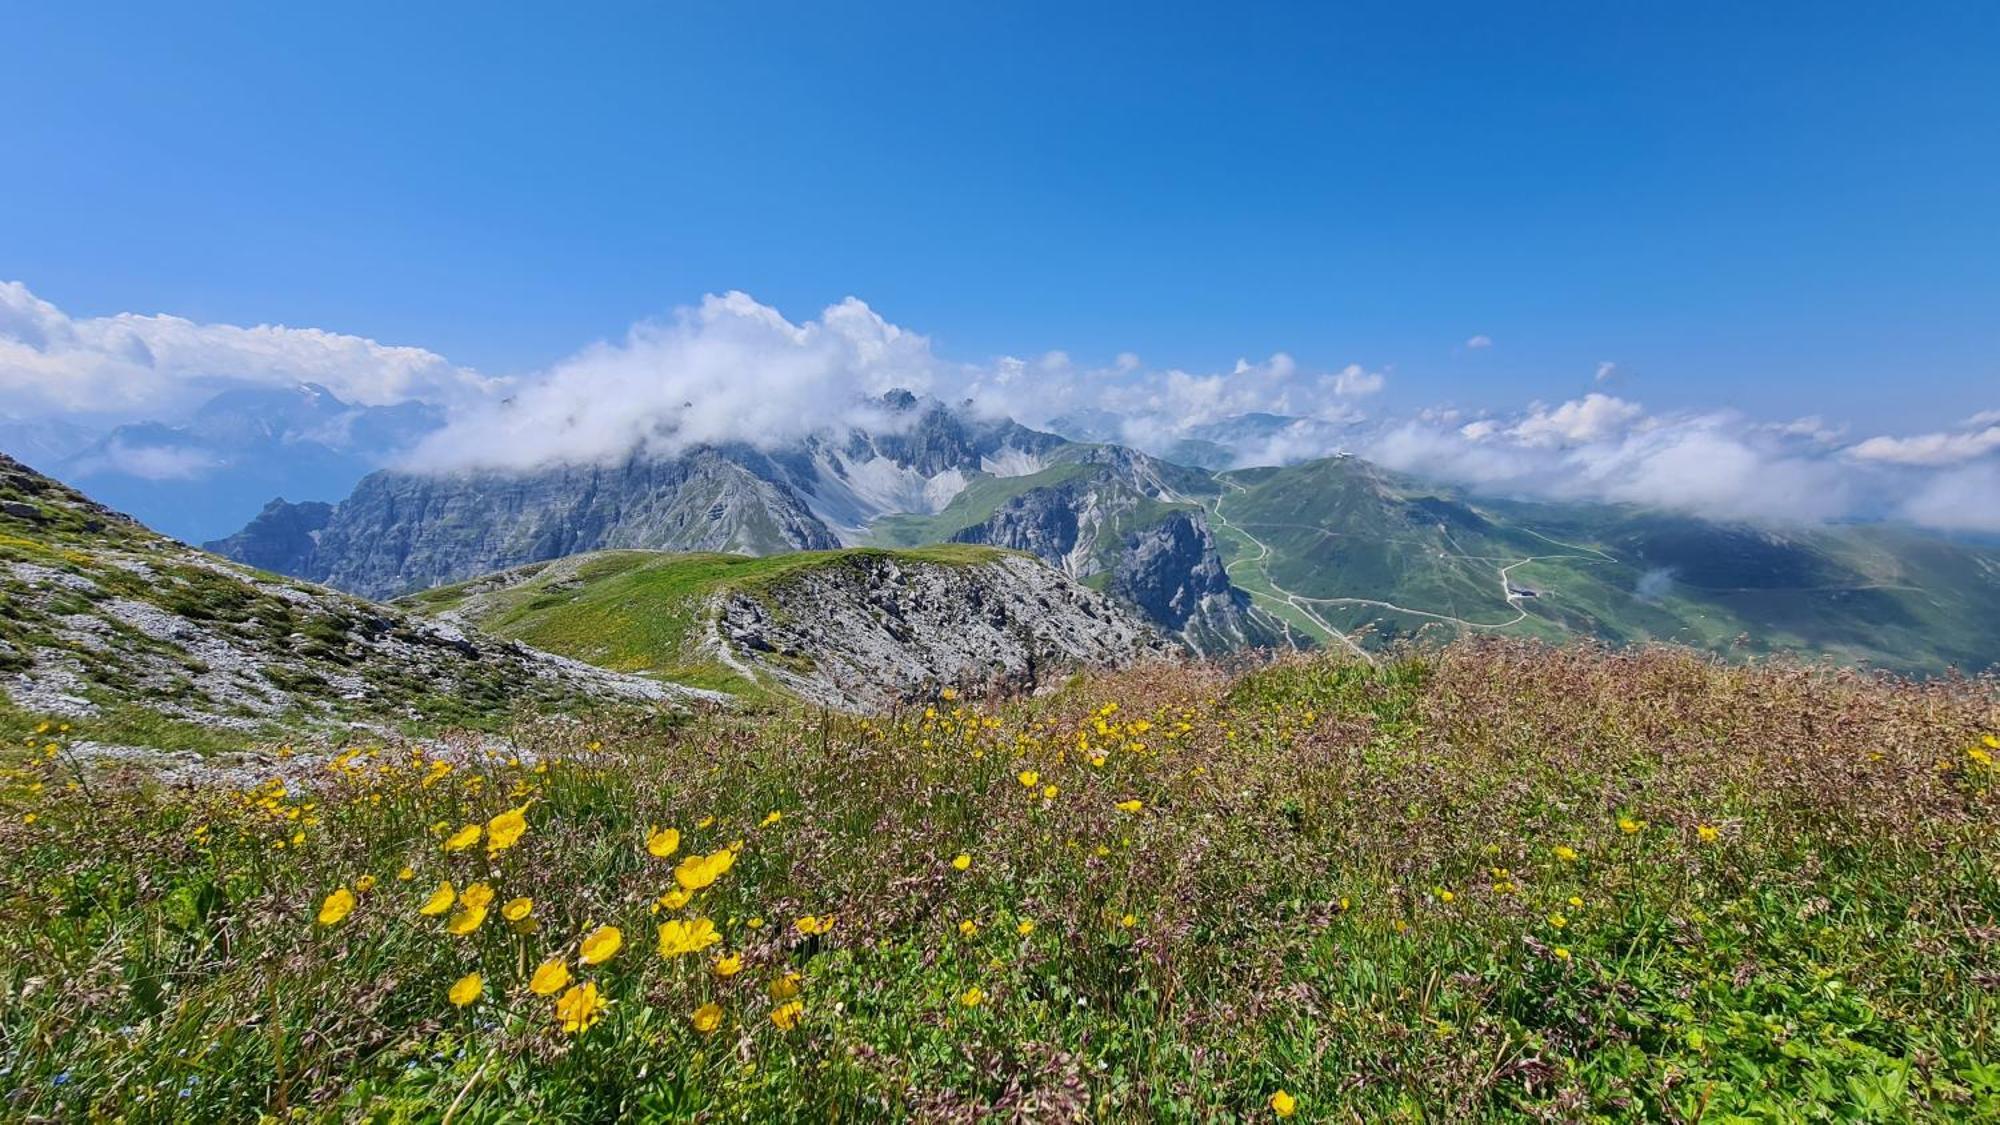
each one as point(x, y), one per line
point(728, 370)
point(733, 370)
point(132, 367)
point(1718, 464)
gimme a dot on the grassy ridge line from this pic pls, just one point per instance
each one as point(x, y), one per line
point(646, 611)
point(1495, 881)
point(982, 494)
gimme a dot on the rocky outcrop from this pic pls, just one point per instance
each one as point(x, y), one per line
point(403, 531)
point(103, 614)
point(1161, 559)
point(281, 539)
point(873, 628)
point(1172, 573)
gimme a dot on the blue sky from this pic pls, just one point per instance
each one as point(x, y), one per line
point(1790, 209)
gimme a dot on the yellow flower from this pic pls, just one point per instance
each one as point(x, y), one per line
point(467, 920)
point(466, 989)
point(440, 900)
point(1029, 778)
point(679, 937)
point(785, 987)
point(364, 884)
point(600, 944)
point(706, 1018)
point(1708, 833)
point(517, 909)
point(810, 925)
point(968, 928)
point(463, 838)
point(772, 817)
point(579, 1007)
point(786, 1015)
point(961, 861)
point(406, 874)
point(477, 896)
point(549, 976)
point(338, 905)
point(696, 872)
point(506, 830)
point(663, 842)
point(1565, 853)
point(1283, 1104)
point(972, 997)
point(1132, 806)
point(1026, 927)
point(728, 965)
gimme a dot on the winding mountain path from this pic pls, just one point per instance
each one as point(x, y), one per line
point(1303, 604)
point(1288, 598)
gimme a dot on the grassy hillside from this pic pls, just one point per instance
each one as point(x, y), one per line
point(1493, 881)
point(1342, 545)
point(639, 611)
point(974, 504)
point(138, 640)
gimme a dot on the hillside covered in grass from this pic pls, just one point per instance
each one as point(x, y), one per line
point(1344, 546)
point(850, 628)
point(140, 641)
point(1494, 881)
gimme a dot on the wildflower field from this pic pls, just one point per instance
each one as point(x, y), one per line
point(1492, 880)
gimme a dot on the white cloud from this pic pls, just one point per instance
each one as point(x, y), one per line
point(149, 462)
point(727, 370)
point(1157, 408)
point(1593, 417)
point(731, 369)
point(132, 366)
point(1962, 499)
point(1930, 449)
point(1479, 343)
point(1715, 464)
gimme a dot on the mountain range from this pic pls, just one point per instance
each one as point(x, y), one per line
point(136, 640)
point(205, 475)
point(1334, 551)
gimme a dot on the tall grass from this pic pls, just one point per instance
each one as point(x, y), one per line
point(1495, 880)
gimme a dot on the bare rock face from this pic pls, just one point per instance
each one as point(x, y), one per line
point(1172, 573)
point(1162, 561)
point(403, 531)
point(873, 629)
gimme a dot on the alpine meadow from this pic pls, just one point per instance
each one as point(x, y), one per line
point(1028, 563)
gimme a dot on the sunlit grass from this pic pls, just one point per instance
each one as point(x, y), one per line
point(1494, 881)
